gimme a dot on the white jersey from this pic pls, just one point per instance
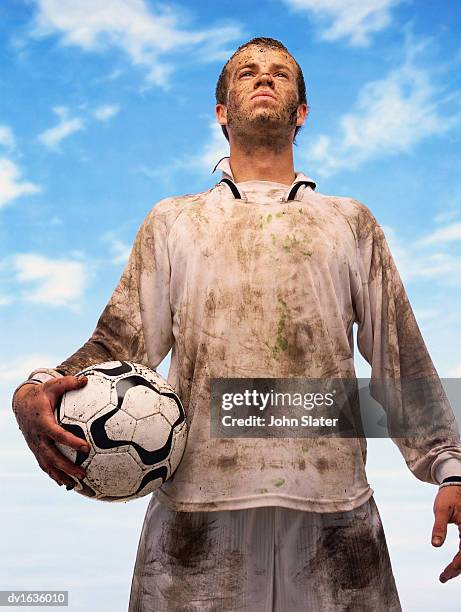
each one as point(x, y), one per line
point(241, 281)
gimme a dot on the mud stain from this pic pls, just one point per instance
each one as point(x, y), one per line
point(322, 465)
point(227, 463)
point(353, 558)
point(192, 554)
point(187, 541)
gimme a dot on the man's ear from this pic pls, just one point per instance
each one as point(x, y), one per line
point(303, 111)
point(221, 114)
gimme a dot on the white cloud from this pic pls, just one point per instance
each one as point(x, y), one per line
point(445, 216)
point(208, 154)
point(455, 372)
point(56, 282)
point(112, 76)
point(61, 111)
point(449, 233)
point(212, 151)
point(106, 112)
point(7, 138)
point(355, 20)
point(11, 186)
point(391, 116)
point(18, 369)
point(6, 300)
point(67, 125)
point(52, 137)
point(120, 251)
point(426, 314)
point(436, 266)
point(416, 263)
point(142, 30)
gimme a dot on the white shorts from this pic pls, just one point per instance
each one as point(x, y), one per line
point(267, 559)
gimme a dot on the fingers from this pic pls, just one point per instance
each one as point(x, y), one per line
point(39, 427)
point(56, 387)
point(452, 570)
point(61, 478)
point(53, 457)
point(448, 511)
point(54, 463)
point(62, 436)
point(439, 531)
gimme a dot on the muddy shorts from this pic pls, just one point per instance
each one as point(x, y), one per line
point(267, 559)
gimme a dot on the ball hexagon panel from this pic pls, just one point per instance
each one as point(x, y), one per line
point(120, 428)
point(74, 456)
point(84, 403)
point(114, 474)
point(160, 384)
point(179, 445)
point(98, 435)
point(85, 489)
point(146, 461)
point(152, 432)
point(79, 430)
point(67, 451)
point(151, 485)
point(170, 410)
point(140, 401)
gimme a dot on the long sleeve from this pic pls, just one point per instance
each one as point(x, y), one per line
point(136, 324)
point(403, 378)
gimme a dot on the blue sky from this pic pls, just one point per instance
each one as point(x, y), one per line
point(107, 106)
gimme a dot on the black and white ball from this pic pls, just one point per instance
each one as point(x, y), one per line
point(136, 427)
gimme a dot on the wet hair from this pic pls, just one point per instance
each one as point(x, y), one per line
point(223, 80)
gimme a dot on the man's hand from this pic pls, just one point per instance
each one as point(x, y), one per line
point(34, 407)
point(447, 509)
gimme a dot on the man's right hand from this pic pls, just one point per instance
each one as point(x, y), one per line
point(34, 407)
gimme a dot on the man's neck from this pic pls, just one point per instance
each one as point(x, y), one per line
point(262, 164)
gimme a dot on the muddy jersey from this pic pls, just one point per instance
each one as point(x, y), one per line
point(265, 280)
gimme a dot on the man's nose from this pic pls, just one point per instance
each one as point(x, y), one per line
point(264, 78)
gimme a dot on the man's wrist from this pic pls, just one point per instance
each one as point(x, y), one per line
point(18, 390)
point(37, 377)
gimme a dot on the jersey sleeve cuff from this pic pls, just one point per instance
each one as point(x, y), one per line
point(451, 466)
point(43, 374)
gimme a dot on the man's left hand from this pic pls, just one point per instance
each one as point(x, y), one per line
point(447, 509)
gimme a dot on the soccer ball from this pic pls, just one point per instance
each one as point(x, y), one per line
point(136, 427)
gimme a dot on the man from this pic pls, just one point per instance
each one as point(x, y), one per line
point(260, 277)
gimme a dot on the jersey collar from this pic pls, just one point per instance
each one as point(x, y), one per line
point(228, 178)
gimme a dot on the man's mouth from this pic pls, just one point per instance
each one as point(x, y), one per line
point(263, 95)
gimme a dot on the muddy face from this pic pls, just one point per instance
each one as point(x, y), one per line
point(262, 105)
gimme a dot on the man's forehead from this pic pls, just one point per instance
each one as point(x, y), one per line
point(256, 54)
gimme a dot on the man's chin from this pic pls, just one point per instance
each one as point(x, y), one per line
point(268, 126)
point(262, 118)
